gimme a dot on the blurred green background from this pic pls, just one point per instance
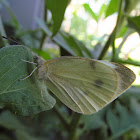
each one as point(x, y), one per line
point(107, 29)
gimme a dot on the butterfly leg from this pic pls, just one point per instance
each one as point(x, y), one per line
point(28, 75)
point(31, 72)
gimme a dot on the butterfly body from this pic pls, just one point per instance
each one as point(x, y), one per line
point(84, 85)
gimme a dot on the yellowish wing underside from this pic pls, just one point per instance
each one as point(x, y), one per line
point(87, 85)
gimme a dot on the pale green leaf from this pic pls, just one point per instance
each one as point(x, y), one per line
point(102, 10)
point(90, 11)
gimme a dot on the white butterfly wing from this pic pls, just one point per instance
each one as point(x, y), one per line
point(87, 85)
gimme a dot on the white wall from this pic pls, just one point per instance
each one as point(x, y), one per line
point(25, 12)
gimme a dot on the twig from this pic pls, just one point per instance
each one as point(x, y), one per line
point(130, 62)
point(103, 52)
point(73, 126)
point(115, 30)
point(119, 23)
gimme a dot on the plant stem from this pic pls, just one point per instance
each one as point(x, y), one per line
point(111, 38)
point(115, 30)
point(42, 40)
point(102, 54)
point(63, 120)
point(130, 62)
point(73, 126)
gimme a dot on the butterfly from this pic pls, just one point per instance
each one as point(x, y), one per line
point(84, 85)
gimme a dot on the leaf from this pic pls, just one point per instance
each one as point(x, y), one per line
point(21, 97)
point(67, 41)
point(124, 120)
point(90, 11)
point(5, 137)
point(112, 7)
point(43, 25)
point(71, 44)
point(134, 22)
point(130, 5)
point(122, 31)
point(42, 53)
point(11, 122)
point(6, 4)
point(102, 10)
point(94, 121)
point(57, 9)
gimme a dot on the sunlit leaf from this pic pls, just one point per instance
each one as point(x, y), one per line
point(112, 7)
point(90, 11)
point(102, 10)
point(122, 31)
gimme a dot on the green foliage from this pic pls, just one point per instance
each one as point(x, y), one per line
point(12, 123)
point(124, 120)
point(96, 119)
point(134, 22)
point(21, 97)
point(67, 41)
point(112, 7)
point(57, 9)
point(130, 5)
point(95, 16)
point(123, 31)
point(119, 120)
point(89, 10)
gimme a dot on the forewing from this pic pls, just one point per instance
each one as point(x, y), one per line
point(83, 84)
point(125, 77)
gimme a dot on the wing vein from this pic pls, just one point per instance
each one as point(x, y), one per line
point(63, 87)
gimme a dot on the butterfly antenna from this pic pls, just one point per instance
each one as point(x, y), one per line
point(12, 39)
point(29, 61)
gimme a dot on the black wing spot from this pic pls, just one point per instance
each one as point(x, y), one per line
point(98, 83)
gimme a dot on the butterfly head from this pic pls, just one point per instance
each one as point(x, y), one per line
point(41, 71)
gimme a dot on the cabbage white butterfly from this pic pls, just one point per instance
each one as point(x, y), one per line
point(84, 85)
